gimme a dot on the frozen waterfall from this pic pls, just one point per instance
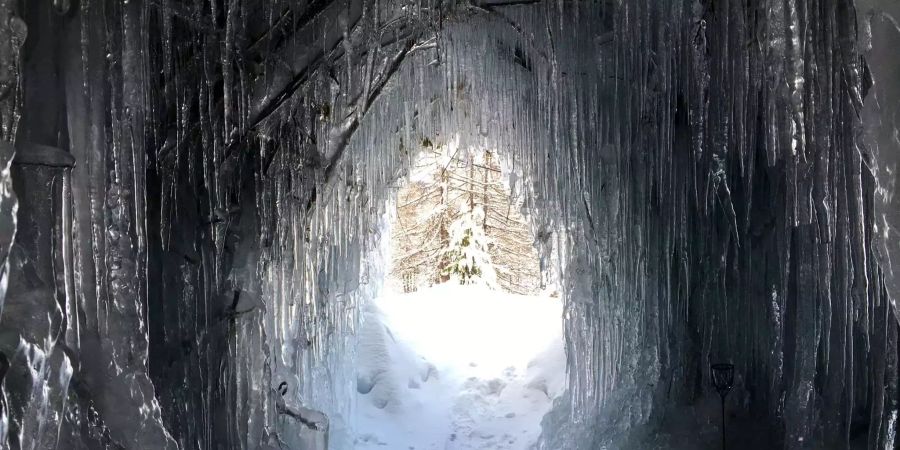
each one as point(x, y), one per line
point(193, 196)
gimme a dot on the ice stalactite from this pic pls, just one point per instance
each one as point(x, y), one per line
point(13, 32)
point(744, 207)
point(713, 180)
point(879, 31)
point(287, 220)
point(703, 165)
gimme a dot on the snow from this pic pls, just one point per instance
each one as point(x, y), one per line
point(458, 367)
point(468, 251)
point(716, 181)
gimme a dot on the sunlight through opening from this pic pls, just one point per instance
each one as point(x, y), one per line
point(464, 349)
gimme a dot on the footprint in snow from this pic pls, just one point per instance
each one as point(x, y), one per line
point(492, 387)
point(428, 372)
point(364, 384)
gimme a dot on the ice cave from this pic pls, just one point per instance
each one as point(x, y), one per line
point(195, 203)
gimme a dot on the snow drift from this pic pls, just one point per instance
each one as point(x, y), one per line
point(192, 193)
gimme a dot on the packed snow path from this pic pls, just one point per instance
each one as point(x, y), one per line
point(458, 367)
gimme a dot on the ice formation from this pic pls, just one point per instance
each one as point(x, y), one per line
point(201, 187)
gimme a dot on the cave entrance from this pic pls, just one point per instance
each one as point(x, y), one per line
point(464, 347)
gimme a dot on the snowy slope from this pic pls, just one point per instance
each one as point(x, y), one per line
point(425, 382)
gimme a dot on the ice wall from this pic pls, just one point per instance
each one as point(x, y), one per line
point(879, 33)
point(198, 269)
point(714, 180)
point(12, 35)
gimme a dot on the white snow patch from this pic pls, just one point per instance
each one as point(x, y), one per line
point(458, 367)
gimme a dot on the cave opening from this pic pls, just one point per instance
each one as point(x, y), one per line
point(193, 203)
point(463, 347)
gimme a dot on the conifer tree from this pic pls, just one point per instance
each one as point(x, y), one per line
point(454, 197)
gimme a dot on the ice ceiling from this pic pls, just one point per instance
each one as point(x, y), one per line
point(193, 191)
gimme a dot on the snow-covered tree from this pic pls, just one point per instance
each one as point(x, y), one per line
point(449, 191)
point(467, 256)
point(421, 225)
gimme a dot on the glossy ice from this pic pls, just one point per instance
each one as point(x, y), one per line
point(710, 181)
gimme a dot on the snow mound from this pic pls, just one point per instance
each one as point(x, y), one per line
point(426, 383)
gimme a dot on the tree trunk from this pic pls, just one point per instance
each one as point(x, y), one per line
point(445, 234)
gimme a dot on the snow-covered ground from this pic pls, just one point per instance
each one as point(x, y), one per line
point(458, 367)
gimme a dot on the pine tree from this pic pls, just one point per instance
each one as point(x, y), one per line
point(468, 260)
point(451, 191)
